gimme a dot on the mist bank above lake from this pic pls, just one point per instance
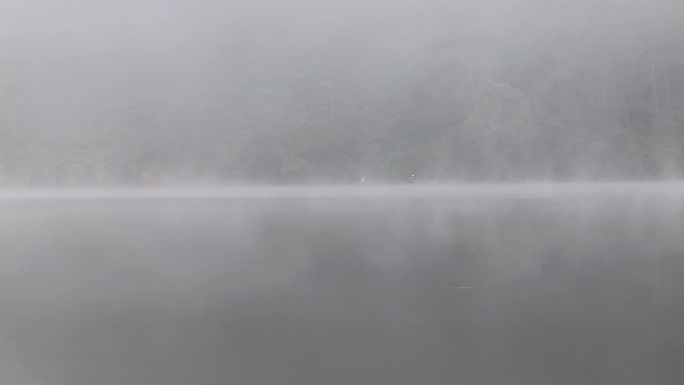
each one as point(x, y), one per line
point(333, 91)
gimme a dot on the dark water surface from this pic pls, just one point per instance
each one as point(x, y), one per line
point(526, 284)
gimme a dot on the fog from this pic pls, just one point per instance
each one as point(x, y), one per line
point(341, 191)
point(177, 92)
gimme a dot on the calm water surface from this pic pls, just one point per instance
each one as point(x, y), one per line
point(519, 284)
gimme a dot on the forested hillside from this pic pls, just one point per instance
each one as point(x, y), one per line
point(152, 92)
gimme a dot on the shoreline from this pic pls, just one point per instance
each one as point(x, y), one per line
point(437, 191)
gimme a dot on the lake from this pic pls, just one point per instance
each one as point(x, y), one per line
point(444, 284)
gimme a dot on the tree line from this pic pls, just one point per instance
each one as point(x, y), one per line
point(582, 92)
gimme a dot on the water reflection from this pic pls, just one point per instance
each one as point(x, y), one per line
point(439, 285)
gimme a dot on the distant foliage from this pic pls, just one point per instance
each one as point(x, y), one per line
point(540, 90)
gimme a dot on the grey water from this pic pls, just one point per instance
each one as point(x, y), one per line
point(446, 284)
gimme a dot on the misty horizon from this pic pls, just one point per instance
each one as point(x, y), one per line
point(341, 192)
point(96, 93)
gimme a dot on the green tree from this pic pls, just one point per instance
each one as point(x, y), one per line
point(499, 136)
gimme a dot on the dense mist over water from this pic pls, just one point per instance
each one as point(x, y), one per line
point(199, 92)
point(520, 285)
point(341, 192)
